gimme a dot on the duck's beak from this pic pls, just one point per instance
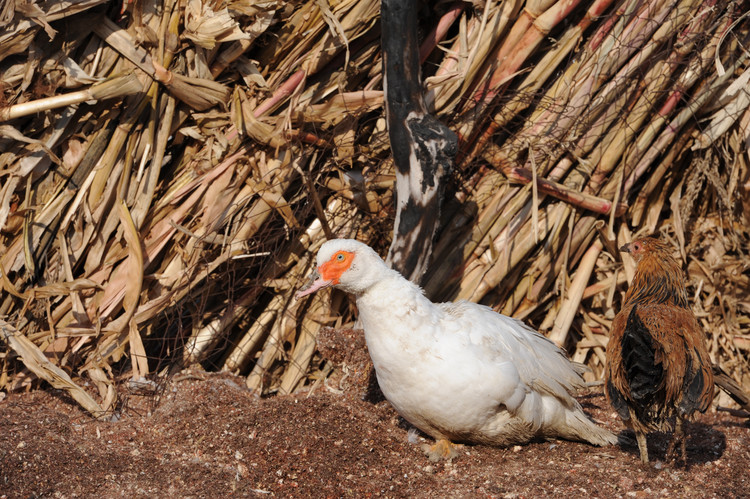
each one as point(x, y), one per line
point(314, 283)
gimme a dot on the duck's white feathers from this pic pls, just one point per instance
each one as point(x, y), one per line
point(461, 371)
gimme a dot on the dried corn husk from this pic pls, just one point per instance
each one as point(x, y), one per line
point(171, 219)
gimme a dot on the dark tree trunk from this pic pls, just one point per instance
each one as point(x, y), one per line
point(423, 147)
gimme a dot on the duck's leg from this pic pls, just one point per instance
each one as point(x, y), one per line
point(442, 449)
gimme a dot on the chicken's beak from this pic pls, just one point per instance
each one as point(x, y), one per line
point(314, 283)
point(625, 248)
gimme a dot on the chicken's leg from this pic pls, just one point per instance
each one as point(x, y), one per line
point(678, 437)
point(642, 447)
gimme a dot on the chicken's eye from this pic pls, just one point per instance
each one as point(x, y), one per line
point(340, 257)
point(637, 246)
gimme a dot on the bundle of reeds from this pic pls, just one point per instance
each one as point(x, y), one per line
point(169, 219)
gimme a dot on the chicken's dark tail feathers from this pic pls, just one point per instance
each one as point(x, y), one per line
point(694, 396)
point(645, 376)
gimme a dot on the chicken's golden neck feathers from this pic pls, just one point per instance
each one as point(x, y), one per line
point(658, 279)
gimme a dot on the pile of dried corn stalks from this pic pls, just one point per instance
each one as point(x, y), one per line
point(168, 171)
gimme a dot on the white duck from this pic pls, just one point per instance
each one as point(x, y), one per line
point(457, 371)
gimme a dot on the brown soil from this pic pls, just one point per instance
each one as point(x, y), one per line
point(205, 435)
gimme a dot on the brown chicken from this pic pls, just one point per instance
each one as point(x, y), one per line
point(658, 369)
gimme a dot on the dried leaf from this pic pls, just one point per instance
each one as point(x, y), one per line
point(207, 27)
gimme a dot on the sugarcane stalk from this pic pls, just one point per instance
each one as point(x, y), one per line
point(658, 179)
point(203, 341)
point(580, 85)
point(272, 349)
point(563, 255)
point(569, 308)
point(643, 152)
point(657, 79)
point(284, 91)
point(606, 284)
point(564, 193)
point(477, 240)
point(533, 26)
point(551, 60)
point(304, 347)
point(111, 88)
point(594, 343)
point(525, 296)
point(678, 122)
point(440, 30)
point(587, 142)
point(241, 354)
point(464, 62)
point(485, 273)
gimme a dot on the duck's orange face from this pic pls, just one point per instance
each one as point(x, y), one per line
point(337, 265)
point(328, 273)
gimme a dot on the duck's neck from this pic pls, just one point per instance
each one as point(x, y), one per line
point(394, 313)
point(392, 301)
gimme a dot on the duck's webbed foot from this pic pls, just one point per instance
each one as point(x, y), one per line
point(442, 449)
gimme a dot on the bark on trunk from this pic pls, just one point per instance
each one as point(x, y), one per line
point(423, 148)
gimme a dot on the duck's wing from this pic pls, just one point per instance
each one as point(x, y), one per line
point(541, 365)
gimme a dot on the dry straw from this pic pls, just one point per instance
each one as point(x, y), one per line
point(168, 172)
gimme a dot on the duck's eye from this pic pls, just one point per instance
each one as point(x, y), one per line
point(340, 257)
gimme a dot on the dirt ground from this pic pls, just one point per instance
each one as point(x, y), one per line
point(206, 435)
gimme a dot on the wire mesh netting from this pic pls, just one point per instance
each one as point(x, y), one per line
point(169, 169)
